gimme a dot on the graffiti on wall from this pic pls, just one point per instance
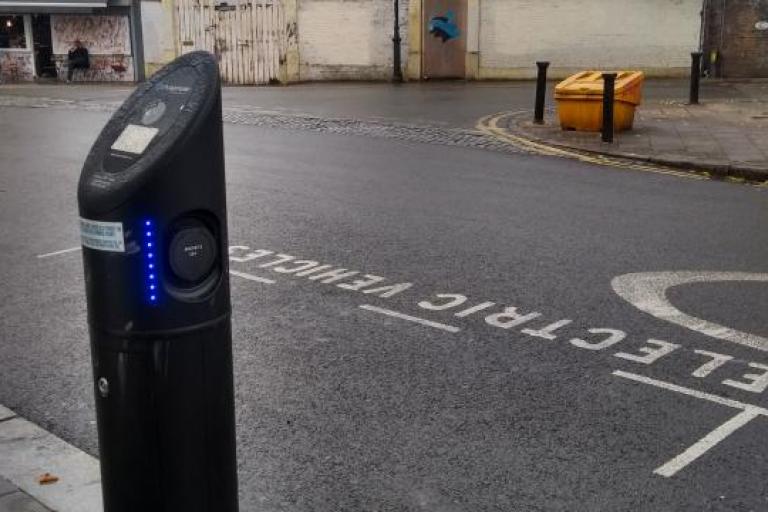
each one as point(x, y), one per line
point(104, 68)
point(444, 26)
point(16, 66)
point(99, 34)
point(107, 39)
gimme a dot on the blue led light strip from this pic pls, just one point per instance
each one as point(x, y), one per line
point(150, 270)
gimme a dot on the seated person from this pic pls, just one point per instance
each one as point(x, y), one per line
point(77, 59)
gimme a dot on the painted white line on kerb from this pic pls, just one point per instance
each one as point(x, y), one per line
point(747, 414)
point(647, 292)
point(251, 277)
point(56, 253)
point(415, 319)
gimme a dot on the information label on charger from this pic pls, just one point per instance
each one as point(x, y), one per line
point(102, 236)
point(135, 139)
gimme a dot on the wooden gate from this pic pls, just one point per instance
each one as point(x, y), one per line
point(247, 36)
point(445, 38)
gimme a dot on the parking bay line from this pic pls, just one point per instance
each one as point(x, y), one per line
point(56, 253)
point(244, 275)
point(747, 414)
point(415, 319)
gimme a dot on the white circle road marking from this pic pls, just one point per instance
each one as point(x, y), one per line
point(647, 292)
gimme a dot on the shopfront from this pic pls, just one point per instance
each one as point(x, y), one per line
point(36, 37)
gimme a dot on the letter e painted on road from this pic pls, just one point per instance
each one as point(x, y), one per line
point(389, 291)
point(758, 382)
point(651, 354)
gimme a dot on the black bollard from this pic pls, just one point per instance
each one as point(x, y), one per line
point(154, 233)
point(609, 82)
point(541, 91)
point(397, 71)
point(695, 77)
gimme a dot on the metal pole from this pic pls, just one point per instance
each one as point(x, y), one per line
point(137, 41)
point(695, 75)
point(397, 72)
point(541, 91)
point(609, 82)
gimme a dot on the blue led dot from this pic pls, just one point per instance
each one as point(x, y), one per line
point(149, 255)
point(147, 223)
point(149, 233)
point(149, 244)
point(151, 265)
point(152, 297)
point(151, 287)
point(151, 276)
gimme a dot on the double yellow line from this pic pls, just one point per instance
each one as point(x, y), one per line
point(489, 125)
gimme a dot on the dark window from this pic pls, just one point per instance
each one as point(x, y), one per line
point(12, 33)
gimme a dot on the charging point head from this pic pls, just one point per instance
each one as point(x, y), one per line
point(152, 201)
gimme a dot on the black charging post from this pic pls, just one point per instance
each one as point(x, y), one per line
point(154, 232)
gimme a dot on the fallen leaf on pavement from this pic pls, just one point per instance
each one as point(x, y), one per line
point(47, 478)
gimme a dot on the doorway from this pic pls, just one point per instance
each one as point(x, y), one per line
point(45, 67)
point(444, 33)
point(247, 36)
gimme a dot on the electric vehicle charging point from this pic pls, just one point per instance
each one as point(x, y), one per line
point(153, 225)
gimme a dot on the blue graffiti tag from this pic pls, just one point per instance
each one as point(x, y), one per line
point(444, 27)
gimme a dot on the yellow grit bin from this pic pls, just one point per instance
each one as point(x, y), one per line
point(580, 100)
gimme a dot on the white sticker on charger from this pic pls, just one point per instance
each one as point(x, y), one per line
point(102, 236)
point(135, 139)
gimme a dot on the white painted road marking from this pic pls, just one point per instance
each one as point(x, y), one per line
point(756, 381)
point(56, 253)
point(403, 316)
point(251, 277)
point(747, 414)
point(647, 292)
point(706, 443)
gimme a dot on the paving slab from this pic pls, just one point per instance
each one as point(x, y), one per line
point(6, 487)
point(28, 451)
point(20, 502)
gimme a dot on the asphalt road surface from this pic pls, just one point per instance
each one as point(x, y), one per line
point(412, 384)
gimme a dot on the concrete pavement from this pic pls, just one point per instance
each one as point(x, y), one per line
point(727, 137)
point(39, 469)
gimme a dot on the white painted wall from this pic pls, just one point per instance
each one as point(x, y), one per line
point(348, 39)
point(157, 32)
point(655, 35)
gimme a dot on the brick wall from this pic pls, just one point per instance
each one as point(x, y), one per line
point(734, 46)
